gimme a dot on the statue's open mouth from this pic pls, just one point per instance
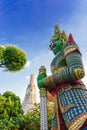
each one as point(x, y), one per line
point(52, 45)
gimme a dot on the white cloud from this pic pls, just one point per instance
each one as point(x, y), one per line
point(27, 64)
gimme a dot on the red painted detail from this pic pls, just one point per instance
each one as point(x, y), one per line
point(70, 39)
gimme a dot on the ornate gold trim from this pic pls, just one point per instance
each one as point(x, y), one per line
point(78, 122)
point(70, 49)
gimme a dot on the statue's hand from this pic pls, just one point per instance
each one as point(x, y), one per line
point(41, 83)
point(41, 77)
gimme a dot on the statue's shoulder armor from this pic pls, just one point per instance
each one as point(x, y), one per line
point(70, 48)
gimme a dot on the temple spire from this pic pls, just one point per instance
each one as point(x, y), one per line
point(32, 79)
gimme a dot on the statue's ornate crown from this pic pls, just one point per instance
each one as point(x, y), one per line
point(57, 32)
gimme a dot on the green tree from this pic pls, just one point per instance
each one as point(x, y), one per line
point(11, 112)
point(8, 124)
point(14, 119)
point(3, 107)
point(12, 58)
point(14, 107)
point(1, 52)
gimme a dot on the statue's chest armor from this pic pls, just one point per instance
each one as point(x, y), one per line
point(58, 61)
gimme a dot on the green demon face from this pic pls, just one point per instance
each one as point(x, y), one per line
point(56, 44)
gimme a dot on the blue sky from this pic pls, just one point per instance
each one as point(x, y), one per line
point(29, 24)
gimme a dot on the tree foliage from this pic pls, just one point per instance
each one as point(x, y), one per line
point(3, 107)
point(1, 52)
point(12, 117)
point(14, 104)
point(10, 105)
point(12, 58)
point(8, 124)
